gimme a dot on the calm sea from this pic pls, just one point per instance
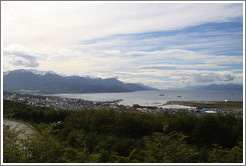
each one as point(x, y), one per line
point(158, 97)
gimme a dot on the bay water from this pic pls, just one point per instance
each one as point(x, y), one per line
point(158, 97)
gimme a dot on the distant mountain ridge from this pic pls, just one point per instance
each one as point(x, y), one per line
point(215, 87)
point(50, 82)
point(37, 72)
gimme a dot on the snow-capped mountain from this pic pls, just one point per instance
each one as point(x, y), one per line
point(37, 72)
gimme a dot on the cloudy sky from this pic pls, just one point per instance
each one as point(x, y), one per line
point(163, 45)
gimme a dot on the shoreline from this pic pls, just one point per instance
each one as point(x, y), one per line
point(75, 103)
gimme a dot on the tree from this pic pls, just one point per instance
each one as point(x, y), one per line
point(45, 148)
point(12, 149)
point(129, 159)
point(219, 154)
point(168, 148)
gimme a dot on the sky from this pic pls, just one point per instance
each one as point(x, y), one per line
point(163, 45)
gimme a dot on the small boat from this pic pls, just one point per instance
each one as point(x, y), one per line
point(161, 95)
point(178, 96)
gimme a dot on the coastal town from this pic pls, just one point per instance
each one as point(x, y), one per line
point(58, 103)
point(61, 103)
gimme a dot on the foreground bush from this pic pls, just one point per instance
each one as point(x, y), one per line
point(94, 136)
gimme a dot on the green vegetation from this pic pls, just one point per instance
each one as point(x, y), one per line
point(105, 135)
point(221, 105)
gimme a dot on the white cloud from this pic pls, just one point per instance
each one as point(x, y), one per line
point(148, 81)
point(190, 66)
point(68, 38)
point(152, 68)
point(185, 56)
point(48, 24)
point(210, 77)
point(18, 55)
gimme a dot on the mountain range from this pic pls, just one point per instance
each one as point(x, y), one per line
point(50, 82)
point(214, 87)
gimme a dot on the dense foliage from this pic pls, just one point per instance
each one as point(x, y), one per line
point(106, 135)
point(218, 105)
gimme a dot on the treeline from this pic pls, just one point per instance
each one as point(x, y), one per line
point(219, 105)
point(106, 135)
